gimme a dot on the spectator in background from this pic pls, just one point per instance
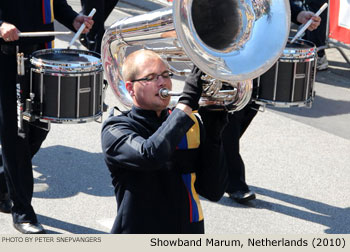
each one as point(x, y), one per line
point(237, 189)
point(318, 36)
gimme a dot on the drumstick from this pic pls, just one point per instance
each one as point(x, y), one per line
point(42, 34)
point(308, 23)
point(80, 29)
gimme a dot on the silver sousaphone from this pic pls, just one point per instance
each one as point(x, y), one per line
point(232, 41)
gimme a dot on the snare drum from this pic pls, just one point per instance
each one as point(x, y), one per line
point(66, 85)
point(290, 81)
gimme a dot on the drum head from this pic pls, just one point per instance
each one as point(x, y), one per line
point(66, 60)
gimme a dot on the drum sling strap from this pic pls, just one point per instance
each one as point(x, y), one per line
point(48, 17)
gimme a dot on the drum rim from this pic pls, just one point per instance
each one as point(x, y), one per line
point(294, 54)
point(58, 66)
point(69, 120)
point(82, 73)
point(280, 104)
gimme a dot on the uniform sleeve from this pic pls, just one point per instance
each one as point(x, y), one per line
point(295, 10)
point(1, 21)
point(1, 13)
point(64, 13)
point(212, 173)
point(124, 147)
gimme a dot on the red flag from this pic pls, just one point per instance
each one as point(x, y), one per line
point(339, 20)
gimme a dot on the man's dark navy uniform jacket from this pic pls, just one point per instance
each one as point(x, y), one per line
point(159, 164)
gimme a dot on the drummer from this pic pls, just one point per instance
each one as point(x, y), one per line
point(19, 145)
point(237, 189)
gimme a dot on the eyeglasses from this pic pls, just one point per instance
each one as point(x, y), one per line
point(154, 77)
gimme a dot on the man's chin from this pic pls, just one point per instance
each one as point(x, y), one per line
point(163, 105)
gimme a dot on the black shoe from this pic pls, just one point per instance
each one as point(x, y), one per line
point(104, 107)
point(85, 41)
point(5, 203)
point(242, 197)
point(29, 228)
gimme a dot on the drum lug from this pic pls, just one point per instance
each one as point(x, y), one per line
point(311, 100)
point(261, 108)
point(99, 119)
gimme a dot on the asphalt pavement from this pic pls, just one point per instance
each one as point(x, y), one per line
point(297, 161)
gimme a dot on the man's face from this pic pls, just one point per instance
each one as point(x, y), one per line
point(145, 93)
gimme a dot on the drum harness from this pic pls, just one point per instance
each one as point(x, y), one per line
point(22, 65)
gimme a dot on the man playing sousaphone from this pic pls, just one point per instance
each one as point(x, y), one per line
point(160, 160)
point(19, 146)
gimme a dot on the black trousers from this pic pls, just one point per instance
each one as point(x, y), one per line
point(238, 123)
point(18, 148)
point(319, 35)
point(3, 187)
point(103, 9)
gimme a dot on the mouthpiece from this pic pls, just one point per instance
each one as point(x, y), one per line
point(164, 93)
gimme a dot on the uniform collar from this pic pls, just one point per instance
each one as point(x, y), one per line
point(149, 117)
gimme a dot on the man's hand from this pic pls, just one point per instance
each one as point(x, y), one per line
point(305, 16)
point(9, 32)
point(193, 89)
point(81, 19)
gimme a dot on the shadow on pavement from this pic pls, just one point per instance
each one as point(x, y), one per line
point(321, 107)
point(64, 172)
point(335, 76)
point(344, 65)
point(335, 218)
point(69, 227)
